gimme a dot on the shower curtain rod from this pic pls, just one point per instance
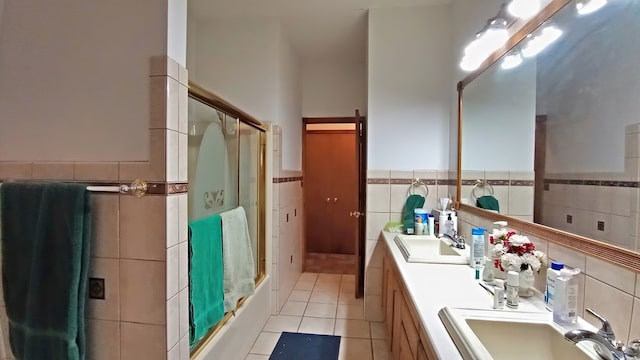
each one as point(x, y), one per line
point(137, 187)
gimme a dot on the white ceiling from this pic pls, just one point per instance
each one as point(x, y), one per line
point(319, 30)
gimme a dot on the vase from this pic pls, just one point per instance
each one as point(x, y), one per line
point(526, 283)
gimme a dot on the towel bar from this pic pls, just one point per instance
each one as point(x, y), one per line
point(137, 187)
point(417, 183)
point(481, 184)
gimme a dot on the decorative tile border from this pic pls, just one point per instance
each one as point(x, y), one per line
point(632, 184)
point(279, 180)
point(500, 182)
point(396, 181)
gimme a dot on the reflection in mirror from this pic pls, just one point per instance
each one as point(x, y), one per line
point(556, 137)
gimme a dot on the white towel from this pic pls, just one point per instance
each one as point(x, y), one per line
point(237, 256)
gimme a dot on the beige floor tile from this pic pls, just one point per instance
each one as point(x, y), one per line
point(379, 331)
point(355, 311)
point(280, 323)
point(352, 328)
point(308, 277)
point(381, 350)
point(321, 310)
point(329, 278)
point(293, 308)
point(351, 349)
point(304, 285)
point(256, 357)
point(327, 287)
point(265, 343)
point(313, 325)
point(348, 297)
point(325, 297)
point(300, 295)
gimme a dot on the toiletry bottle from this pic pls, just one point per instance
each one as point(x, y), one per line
point(513, 282)
point(476, 253)
point(448, 225)
point(498, 294)
point(432, 221)
point(565, 302)
point(552, 273)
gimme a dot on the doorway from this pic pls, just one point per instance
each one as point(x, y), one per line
point(333, 178)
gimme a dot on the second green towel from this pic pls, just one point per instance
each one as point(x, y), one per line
point(413, 202)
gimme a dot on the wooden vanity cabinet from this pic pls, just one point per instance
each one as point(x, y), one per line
point(406, 337)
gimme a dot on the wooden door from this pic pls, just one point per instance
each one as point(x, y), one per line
point(344, 192)
point(330, 191)
point(361, 163)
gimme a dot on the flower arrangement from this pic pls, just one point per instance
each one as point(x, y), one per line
point(512, 252)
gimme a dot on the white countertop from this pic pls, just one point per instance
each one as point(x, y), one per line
point(434, 286)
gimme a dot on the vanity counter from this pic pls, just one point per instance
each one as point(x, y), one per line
point(430, 287)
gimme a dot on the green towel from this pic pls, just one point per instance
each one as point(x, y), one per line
point(413, 202)
point(206, 278)
point(46, 231)
point(488, 202)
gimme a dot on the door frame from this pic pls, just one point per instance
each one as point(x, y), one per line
point(361, 242)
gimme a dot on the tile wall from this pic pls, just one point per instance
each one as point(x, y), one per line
point(601, 205)
point(287, 227)
point(139, 245)
point(387, 192)
point(608, 289)
point(513, 190)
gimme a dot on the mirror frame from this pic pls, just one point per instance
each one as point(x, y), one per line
point(614, 254)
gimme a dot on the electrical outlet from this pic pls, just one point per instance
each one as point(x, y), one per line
point(569, 219)
point(96, 288)
point(601, 225)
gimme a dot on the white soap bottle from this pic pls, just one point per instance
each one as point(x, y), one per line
point(513, 283)
point(476, 253)
point(565, 302)
point(498, 294)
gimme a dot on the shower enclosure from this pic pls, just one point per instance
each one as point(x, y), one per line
point(226, 154)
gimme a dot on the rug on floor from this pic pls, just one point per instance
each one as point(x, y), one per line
point(295, 346)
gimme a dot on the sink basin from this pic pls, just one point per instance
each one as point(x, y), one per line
point(429, 249)
point(500, 334)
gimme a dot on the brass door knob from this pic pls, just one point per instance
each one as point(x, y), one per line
point(335, 199)
point(328, 200)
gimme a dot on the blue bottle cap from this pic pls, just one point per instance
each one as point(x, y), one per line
point(555, 265)
point(477, 231)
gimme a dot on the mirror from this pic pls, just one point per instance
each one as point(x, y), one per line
point(556, 139)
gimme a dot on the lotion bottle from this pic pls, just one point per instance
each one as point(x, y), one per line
point(513, 283)
point(498, 294)
point(552, 274)
point(476, 253)
point(565, 302)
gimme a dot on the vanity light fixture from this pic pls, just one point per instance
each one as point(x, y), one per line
point(488, 40)
point(538, 42)
point(524, 9)
point(588, 6)
point(512, 59)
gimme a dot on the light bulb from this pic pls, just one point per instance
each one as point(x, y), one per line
point(524, 9)
point(588, 6)
point(470, 63)
point(511, 60)
point(540, 41)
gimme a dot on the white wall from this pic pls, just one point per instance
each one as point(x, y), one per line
point(250, 63)
point(409, 85)
point(334, 89)
point(177, 31)
point(589, 91)
point(74, 78)
point(498, 119)
point(289, 103)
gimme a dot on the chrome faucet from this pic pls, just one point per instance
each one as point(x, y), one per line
point(456, 240)
point(605, 341)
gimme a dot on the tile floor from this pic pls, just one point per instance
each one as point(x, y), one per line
point(325, 304)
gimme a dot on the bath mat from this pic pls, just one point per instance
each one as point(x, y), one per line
point(295, 346)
